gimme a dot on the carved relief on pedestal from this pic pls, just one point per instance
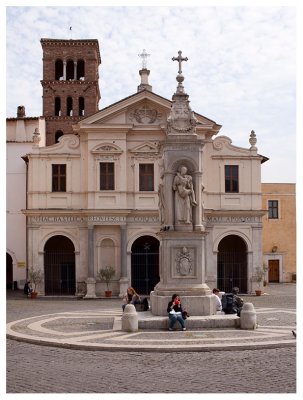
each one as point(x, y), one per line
point(184, 262)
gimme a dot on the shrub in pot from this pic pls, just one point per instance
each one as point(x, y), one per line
point(35, 277)
point(106, 275)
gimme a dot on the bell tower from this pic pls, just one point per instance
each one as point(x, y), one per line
point(70, 84)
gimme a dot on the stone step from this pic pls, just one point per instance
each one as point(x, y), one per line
point(146, 320)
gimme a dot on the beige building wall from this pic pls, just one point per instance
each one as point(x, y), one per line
point(21, 136)
point(279, 234)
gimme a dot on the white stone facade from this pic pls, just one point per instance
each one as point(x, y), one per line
point(103, 225)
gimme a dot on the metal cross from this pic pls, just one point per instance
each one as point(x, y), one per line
point(180, 59)
point(144, 56)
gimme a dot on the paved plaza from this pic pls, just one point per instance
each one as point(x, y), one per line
point(77, 346)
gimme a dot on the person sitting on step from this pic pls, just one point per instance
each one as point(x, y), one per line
point(130, 297)
point(175, 310)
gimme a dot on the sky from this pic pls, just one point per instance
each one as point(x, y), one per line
point(241, 68)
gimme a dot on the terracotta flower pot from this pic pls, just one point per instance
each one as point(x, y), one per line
point(108, 293)
point(258, 292)
point(34, 295)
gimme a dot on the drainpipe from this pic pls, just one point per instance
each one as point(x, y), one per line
point(25, 159)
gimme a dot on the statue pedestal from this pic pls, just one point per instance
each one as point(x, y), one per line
point(193, 304)
point(182, 271)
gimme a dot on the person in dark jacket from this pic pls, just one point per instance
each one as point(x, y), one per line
point(232, 303)
point(174, 309)
point(238, 301)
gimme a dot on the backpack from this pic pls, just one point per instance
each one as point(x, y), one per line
point(145, 304)
point(228, 304)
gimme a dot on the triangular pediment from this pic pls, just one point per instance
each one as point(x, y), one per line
point(145, 148)
point(142, 108)
point(145, 108)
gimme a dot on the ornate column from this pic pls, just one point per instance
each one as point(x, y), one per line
point(182, 258)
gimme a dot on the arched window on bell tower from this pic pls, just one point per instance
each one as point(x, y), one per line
point(80, 70)
point(58, 106)
point(70, 70)
point(81, 106)
point(58, 135)
point(58, 70)
point(69, 107)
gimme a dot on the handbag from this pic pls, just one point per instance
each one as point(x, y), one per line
point(185, 314)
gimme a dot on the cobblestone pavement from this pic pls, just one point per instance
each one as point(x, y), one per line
point(44, 369)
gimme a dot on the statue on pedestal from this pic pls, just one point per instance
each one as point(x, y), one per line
point(184, 196)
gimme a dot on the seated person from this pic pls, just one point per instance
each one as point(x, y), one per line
point(27, 288)
point(238, 300)
point(130, 297)
point(175, 310)
point(216, 292)
point(232, 303)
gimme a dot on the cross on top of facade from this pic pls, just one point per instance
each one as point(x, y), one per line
point(144, 56)
point(180, 59)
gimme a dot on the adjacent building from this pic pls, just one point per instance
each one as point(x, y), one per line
point(279, 231)
point(21, 134)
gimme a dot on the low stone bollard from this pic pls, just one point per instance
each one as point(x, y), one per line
point(130, 319)
point(248, 317)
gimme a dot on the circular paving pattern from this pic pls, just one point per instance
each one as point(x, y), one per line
point(101, 330)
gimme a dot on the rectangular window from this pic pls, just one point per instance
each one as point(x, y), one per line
point(59, 177)
point(273, 209)
point(231, 178)
point(146, 177)
point(107, 176)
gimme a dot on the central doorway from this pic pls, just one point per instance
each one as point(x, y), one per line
point(145, 264)
point(59, 266)
point(232, 264)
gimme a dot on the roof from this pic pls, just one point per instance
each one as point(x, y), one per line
point(155, 94)
point(23, 118)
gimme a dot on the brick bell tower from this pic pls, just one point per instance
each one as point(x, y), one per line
point(70, 84)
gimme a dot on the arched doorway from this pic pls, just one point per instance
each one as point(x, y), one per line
point(9, 271)
point(145, 264)
point(59, 266)
point(232, 264)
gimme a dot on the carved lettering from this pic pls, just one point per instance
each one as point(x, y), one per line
point(234, 219)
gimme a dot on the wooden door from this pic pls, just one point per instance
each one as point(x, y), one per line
point(273, 270)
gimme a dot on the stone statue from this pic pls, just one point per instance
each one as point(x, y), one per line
point(184, 196)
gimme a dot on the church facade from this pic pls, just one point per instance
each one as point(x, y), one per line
point(94, 199)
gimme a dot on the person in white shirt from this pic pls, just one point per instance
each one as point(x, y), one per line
point(218, 300)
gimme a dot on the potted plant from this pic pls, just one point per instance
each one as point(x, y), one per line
point(35, 277)
point(106, 274)
point(259, 277)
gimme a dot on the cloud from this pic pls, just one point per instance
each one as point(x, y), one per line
point(240, 72)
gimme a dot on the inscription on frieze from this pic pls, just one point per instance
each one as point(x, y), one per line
point(233, 219)
point(114, 219)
